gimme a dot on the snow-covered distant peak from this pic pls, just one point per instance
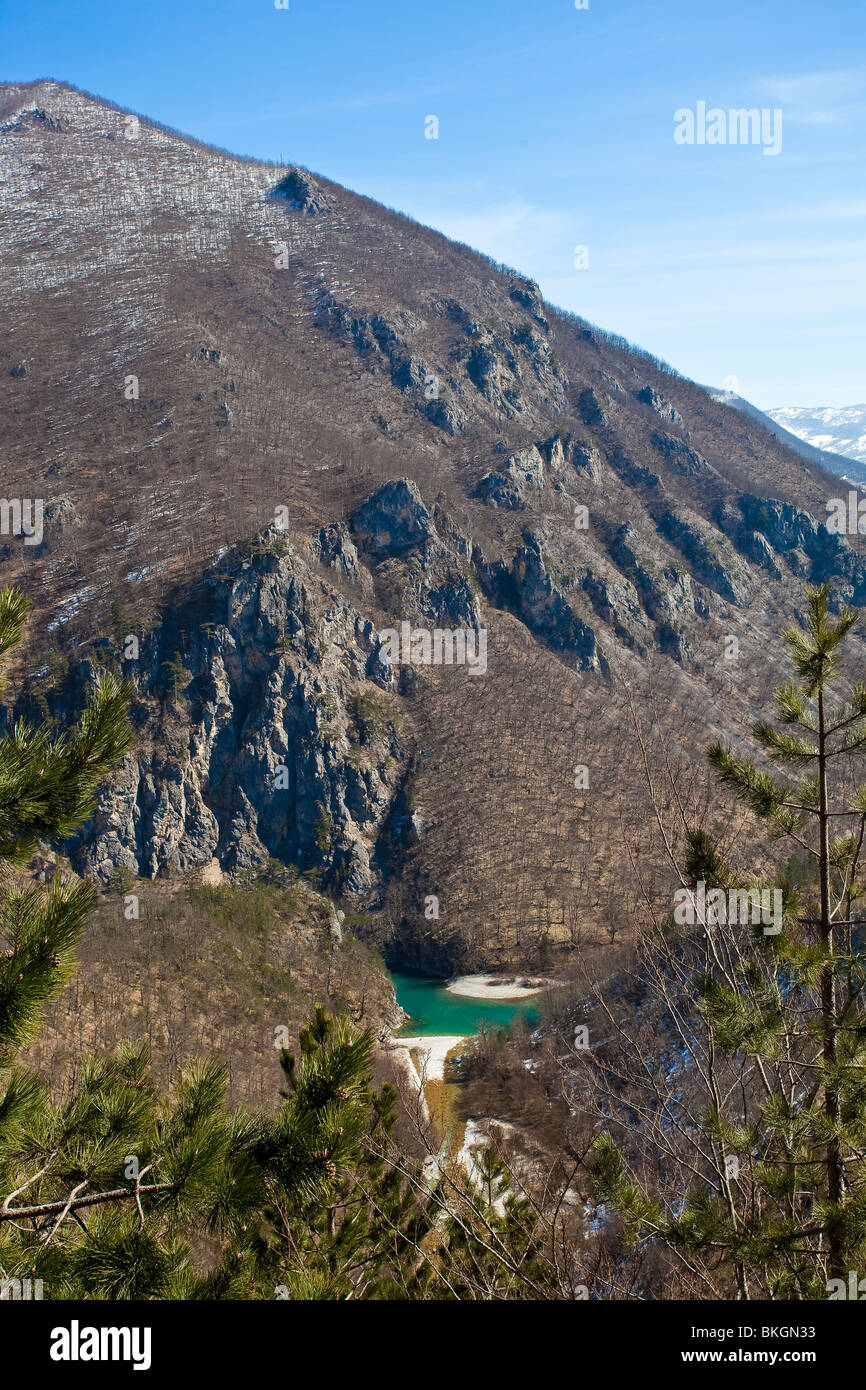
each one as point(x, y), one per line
point(835, 429)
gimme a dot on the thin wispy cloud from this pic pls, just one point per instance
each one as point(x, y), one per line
point(516, 232)
point(369, 101)
point(818, 98)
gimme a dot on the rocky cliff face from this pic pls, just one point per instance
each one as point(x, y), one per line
point(266, 732)
point(268, 706)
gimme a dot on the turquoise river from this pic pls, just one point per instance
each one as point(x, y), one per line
point(433, 1011)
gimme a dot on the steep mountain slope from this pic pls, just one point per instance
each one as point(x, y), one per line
point(270, 420)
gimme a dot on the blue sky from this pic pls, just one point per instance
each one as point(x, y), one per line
point(555, 131)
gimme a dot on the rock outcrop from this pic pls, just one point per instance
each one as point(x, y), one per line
point(393, 520)
point(767, 530)
point(264, 732)
point(680, 456)
point(303, 192)
point(705, 552)
point(523, 473)
point(656, 402)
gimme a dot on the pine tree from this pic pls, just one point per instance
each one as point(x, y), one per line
point(360, 1235)
point(778, 1206)
point(48, 783)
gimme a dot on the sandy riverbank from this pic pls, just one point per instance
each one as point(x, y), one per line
point(491, 987)
point(432, 1053)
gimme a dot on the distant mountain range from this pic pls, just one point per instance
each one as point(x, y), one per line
point(835, 439)
point(841, 431)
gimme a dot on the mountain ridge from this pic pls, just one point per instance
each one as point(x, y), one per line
point(270, 418)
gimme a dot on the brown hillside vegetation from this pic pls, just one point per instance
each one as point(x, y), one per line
point(209, 970)
point(192, 342)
